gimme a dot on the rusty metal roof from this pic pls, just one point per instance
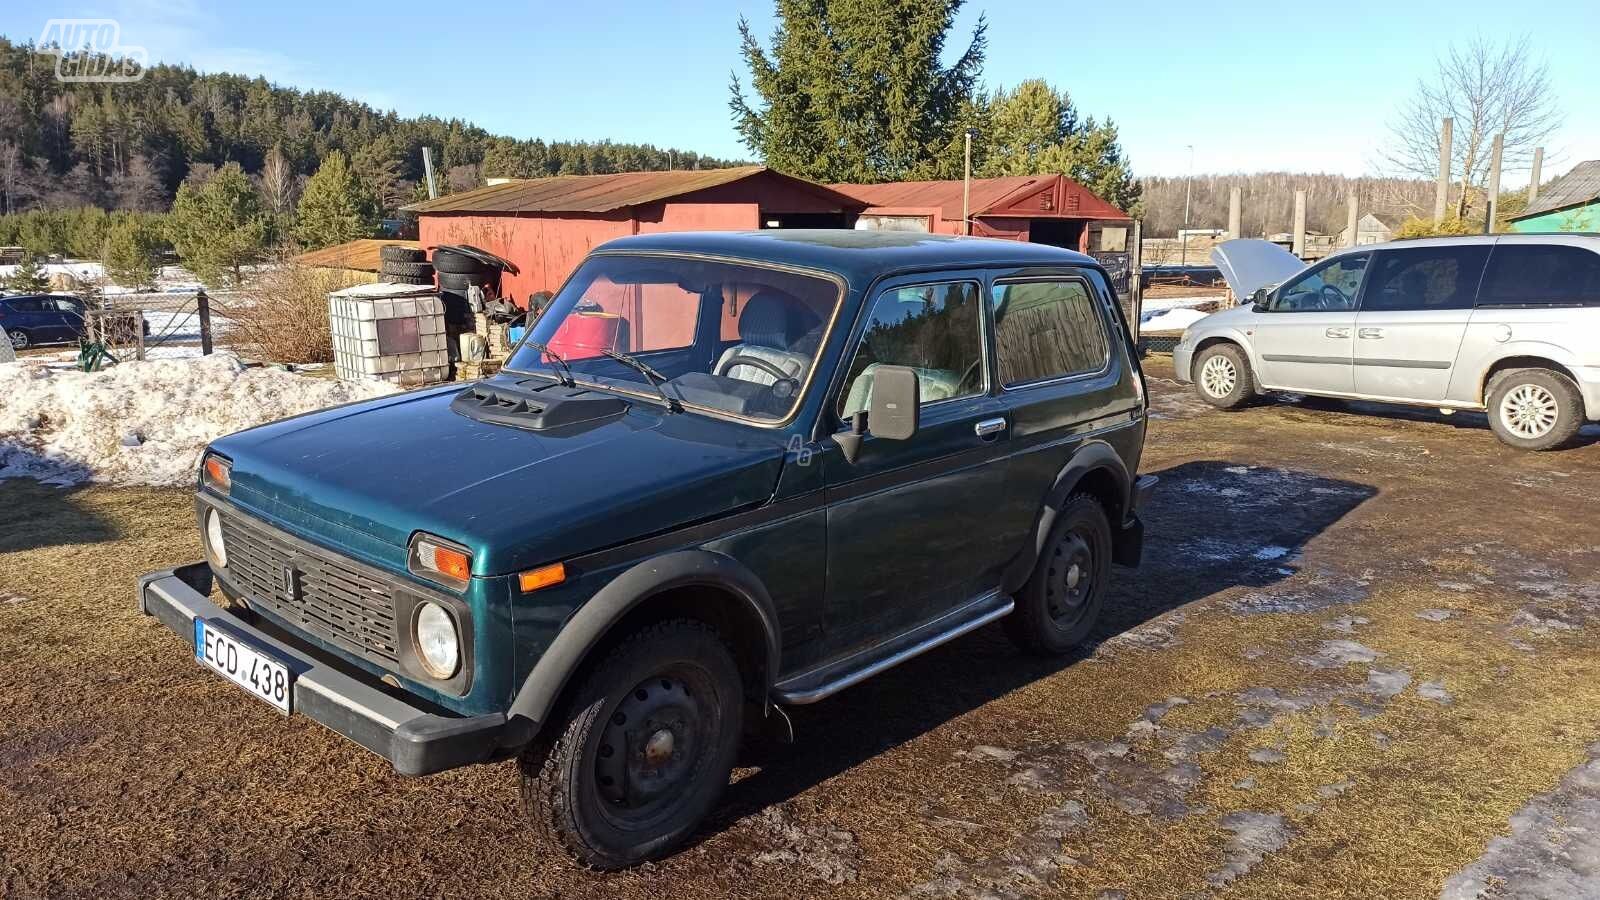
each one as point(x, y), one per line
point(361, 255)
point(989, 196)
point(604, 193)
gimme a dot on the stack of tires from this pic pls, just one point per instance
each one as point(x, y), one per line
point(404, 265)
point(458, 272)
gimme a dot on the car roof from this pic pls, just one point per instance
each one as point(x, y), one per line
point(859, 256)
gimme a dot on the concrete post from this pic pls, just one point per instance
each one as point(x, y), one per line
point(1533, 182)
point(1350, 219)
point(1441, 193)
point(1491, 209)
point(1136, 278)
point(1299, 224)
point(1235, 211)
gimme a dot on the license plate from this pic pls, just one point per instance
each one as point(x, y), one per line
point(244, 665)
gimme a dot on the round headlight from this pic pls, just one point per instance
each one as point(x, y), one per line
point(437, 643)
point(214, 546)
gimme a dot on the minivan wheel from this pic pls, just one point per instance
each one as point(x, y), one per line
point(1060, 604)
point(644, 750)
point(19, 339)
point(1222, 376)
point(1534, 409)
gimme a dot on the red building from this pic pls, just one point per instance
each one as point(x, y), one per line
point(1043, 209)
point(547, 225)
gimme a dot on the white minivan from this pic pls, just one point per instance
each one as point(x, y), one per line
point(1509, 324)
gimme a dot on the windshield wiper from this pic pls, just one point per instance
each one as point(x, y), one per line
point(656, 379)
point(565, 375)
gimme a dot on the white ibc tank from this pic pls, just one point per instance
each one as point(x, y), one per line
point(394, 332)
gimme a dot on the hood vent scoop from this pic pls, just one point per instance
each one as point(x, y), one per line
point(536, 405)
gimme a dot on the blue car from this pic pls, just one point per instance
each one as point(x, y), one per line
point(35, 319)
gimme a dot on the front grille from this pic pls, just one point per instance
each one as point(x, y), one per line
point(316, 592)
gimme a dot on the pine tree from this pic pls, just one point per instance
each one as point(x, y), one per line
point(336, 206)
point(220, 226)
point(1034, 130)
point(28, 277)
point(855, 90)
point(129, 253)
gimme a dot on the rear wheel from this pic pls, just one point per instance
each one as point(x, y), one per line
point(1059, 606)
point(1222, 376)
point(1534, 409)
point(644, 750)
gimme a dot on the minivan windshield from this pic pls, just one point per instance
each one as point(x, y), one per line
point(724, 337)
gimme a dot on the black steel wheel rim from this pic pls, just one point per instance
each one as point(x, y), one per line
point(1069, 579)
point(655, 744)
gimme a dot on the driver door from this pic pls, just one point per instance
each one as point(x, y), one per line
point(1305, 341)
point(910, 522)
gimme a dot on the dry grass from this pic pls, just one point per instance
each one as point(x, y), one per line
point(283, 316)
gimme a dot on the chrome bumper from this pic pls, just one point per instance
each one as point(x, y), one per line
point(415, 741)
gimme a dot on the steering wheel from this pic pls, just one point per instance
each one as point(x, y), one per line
point(1332, 299)
point(971, 371)
point(789, 384)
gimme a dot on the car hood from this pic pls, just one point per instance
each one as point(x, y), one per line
point(363, 478)
point(1248, 264)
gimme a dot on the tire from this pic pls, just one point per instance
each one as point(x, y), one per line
point(612, 806)
point(1058, 607)
point(458, 283)
point(459, 263)
point(392, 253)
point(1534, 409)
point(413, 269)
point(405, 279)
point(19, 339)
point(1228, 383)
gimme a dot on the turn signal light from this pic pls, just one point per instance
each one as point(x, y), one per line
point(218, 473)
point(543, 577)
point(432, 558)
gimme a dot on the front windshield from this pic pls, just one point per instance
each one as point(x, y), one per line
point(730, 337)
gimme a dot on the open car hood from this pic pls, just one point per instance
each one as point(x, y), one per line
point(1249, 263)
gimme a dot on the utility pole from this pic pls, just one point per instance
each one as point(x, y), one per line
point(427, 170)
point(1136, 278)
point(1492, 207)
point(1351, 219)
point(966, 184)
point(1300, 224)
point(1188, 192)
point(1235, 212)
point(1441, 193)
point(1533, 182)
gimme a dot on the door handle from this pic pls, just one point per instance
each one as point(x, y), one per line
point(1371, 334)
point(1337, 332)
point(989, 427)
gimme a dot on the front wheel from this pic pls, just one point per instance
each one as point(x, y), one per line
point(644, 750)
point(1222, 376)
point(1059, 606)
point(1534, 409)
point(19, 339)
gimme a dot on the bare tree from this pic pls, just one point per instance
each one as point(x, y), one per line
point(10, 176)
point(1488, 90)
point(278, 181)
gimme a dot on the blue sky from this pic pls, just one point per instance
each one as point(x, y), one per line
point(1251, 85)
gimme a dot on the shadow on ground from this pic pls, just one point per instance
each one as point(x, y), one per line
point(1357, 412)
point(1210, 526)
point(34, 516)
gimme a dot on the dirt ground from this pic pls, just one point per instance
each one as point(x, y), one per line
point(1360, 661)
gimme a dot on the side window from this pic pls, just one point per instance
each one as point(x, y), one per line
point(1522, 274)
point(1047, 329)
point(1426, 278)
point(932, 328)
point(1330, 288)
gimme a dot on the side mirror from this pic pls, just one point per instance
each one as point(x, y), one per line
point(892, 413)
point(896, 400)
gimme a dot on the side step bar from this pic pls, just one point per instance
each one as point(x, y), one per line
point(832, 677)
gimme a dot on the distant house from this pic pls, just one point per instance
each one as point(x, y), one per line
point(1369, 230)
point(1572, 203)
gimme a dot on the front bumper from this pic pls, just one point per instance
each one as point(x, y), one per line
point(413, 740)
point(1181, 358)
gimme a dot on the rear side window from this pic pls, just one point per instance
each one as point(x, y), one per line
point(1047, 329)
point(1533, 274)
point(1425, 278)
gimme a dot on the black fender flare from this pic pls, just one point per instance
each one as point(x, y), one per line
point(649, 578)
point(1092, 455)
